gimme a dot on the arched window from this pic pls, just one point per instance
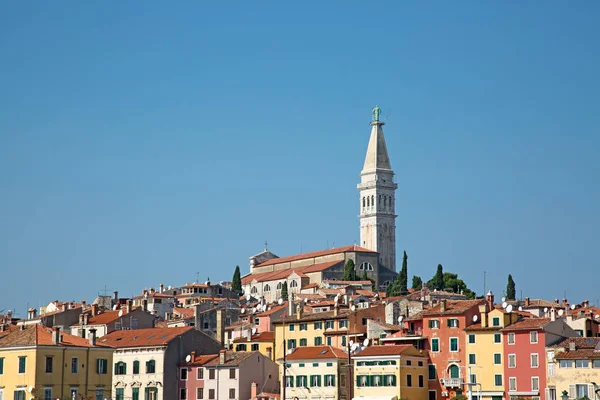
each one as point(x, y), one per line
point(368, 201)
point(279, 285)
point(293, 284)
point(454, 371)
point(361, 266)
point(151, 367)
point(267, 288)
point(364, 202)
point(373, 200)
point(390, 202)
point(379, 203)
point(120, 368)
point(386, 283)
point(366, 266)
point(384, 202)
point(136, 367)
point(254, 290)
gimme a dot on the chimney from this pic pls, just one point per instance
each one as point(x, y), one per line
point(92, 337)
point(56, 335)
point(193, 356)
point(129, 306)
point(86, 318)
point(572, 346)
point(345, 299)
point(269, 352)
point(553, 314)
point(152, 290)
point(253, 391)
point(222, 356)
point(489, 299)
point(145, 305)
point(221, 326)
point(527, 302)
point(81, 316)
point(116, 296)
point(299, 310)
point(94, 310)
point(556, 302)
point(443, 305)
point(83, 304)
point(161, 288)
point(483, 312)
point(565, 303)
point(336, 310)
point(585, 304)
point(23, 327)
point(291, 304)
point(63, 307)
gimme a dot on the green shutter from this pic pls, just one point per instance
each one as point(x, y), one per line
point(357, 380)
point(116, 369)
point(135, 393)
point(1, 365)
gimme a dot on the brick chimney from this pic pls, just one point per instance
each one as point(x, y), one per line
point(222, 356)
point(483, 315)
point(565, 303)
point(94, 310)
point(92, 337)
point(299, 310)
point(116, 296)
point(527, 302)
point(192, 356)
point(56, 335)
point(253, 391)
point(585, 303)
point(489, 299)
point(553, 314)
point(443, 305)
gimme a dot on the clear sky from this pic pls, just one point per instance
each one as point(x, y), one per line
point(143, 142)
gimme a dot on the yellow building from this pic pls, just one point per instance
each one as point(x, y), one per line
point(485, 354)
point(263, 342)
point(391, 372)
point(37, 362)
point(574, 368)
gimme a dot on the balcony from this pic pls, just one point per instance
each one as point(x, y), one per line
point(452, 382)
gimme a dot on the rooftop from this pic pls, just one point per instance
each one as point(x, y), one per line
point(39, 335)
point(142, 337)
point(284, 273)
point(232, 359)
point(453, 307)
point(316, 352)
point(258, 337)
point(528, 323)
point(344, 249)
point(392, 350)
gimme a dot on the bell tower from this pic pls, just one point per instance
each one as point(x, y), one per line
point(378, 197)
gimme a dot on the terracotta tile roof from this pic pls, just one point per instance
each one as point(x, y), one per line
point(232, 359)
point(316, 352)
point(391, 350)
point(142, 337)
point(309, 296)
point(330, 291)
point(324, 303)
point(310, 286)
point(267, 395)
point(528, 323)
point(57, 312)
point(184, 312)
point(273, 309)
point(201, 359)
point(259, 337)
point(284, 273)
point(39, 335)
point(391, 327)
point(366, 293)
point(583, 354)
point(155, 294)
point(344, 249)
point(477, 327)
point(105, 317)
point(453, 307)
point(347, 283)
point(587, 310)
point(580, 342)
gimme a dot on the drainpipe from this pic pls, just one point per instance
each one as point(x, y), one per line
point(62, 375)
point(87, 365)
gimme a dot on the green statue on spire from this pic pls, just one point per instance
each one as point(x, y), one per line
point(376, 112)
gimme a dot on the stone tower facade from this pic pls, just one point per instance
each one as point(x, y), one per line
point(377, 200)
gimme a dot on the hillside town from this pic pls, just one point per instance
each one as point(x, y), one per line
point(340, 323)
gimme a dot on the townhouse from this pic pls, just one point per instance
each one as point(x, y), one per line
point(264, 342)
point(105, 322)
point(145, 361)
point(226, 375)
point(391, 372)
point(44, 363)
point(315, 372)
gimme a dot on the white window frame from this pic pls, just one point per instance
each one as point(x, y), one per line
point(531, 335)
point(551, 369)
point(508, 338)
point(494, 358)
point(537, 358)
point(537, 378)
point(501, 378)
point(450, 345)
point(187, 374)
point(512, 379)
point(76, 361)
point(514, 356)
point(181, 391)
point(438, 345)
point(471, 335)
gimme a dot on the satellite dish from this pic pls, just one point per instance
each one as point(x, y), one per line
point(188, 358)
point(520, 308)
point(400, 318)
point(545, 309)
point(248, 297)
point(254, 331)
point(280, 301)
point(351, 343)
point(305, 300)
point(504, 304)
point(253, 310)
point(509, 308)
point(366, 342)
point(355, 346)
point(114, 307)
point(561, 312)
point(597, 316)
point(353, 308)
point(503, 299)
point(475, 318)
point(243, 310)
point(30, 389)
point(573, 306)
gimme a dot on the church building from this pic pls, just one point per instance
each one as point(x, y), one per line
point(376, 253)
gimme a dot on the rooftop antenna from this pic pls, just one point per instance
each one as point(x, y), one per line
point(266, 245)
point(484, 291)
point(197, 277)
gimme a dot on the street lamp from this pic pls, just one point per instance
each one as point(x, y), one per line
point(565, 395)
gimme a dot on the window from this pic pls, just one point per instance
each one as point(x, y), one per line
point(471, 339)
point(267, 288)
point(328, 340)
point(328, 324)
point(232, 393)
point(343, 323)
point(329, 380)
point(510, 338)
point(135, 393)
point(120, 394)
point(421, 381)
point(512, 384)
point(533, 337)
point(496, 321)
point(472, 359)
point(291, 343)
point(279, 286)
point(183, 394)
point(366, 266)
point(497, 358)
point(254, 347)
point(408, 362)
point(289, 381)
point(582, 364)
point(151, 367)
point(211, 374)
point(408, 380)
point(136, 367)
point(293, 284)
point(512, 361)
point(1, 365)
point(254, 290)
point(183, 374)
point(431, 372)
point(472, 378)
point(452, 323)
point(303, 326)
point(434, 324)
point(595, 365)
point(318, 340)
point(200, 373)
point(205, 325)
point(566, 363)
point(117, 326)
point(134, 323)
point(435, 344)
point(498, 380)
point(454, 344)
point(534, 360)
point(315, 380)
point(211, 393)
point(231, 373)
point(200, 393)
point(120, 368)
point(454, 371)
point(318, 325)
point(580, 390)
point(550, 369)
point(240, 347)
point(49, 364)
point(48, 394)
point(497, 338)
point(150, 393)
point(22, 364)
point(535, 384)
point(343, 340)
point(74, 392)
point(74, 365)
point(101, 366)
point(292, 327)
point(301, 381)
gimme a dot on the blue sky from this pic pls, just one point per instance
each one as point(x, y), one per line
point(141, 143)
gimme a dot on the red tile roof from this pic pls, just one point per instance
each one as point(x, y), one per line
point(155, 294)
point(316, 352)
point(233, 359)
point(528, 323)
point(583, 354)
point(344, 249)
point(259, 337)
point(453, 307)
point(184, 312)
point(142, 337)
point(284, 273)
point(202, 359)
point(310, 286)
point(39, 335)
point(392, 350)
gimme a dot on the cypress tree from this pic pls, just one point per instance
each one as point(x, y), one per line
point(284, 291)
point(417, 283)
point(349, 272)
point(511, 292)
point(438, 279)
point(403, 277)
point(236, 281)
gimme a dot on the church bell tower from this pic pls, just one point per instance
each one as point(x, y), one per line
point(378, 197)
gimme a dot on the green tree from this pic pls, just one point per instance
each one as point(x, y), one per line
point(364, 276)
point(403, 277)
point(284, 291)
point(511, 292)
point(417, 283)
point(437, 282)
point(349, 272)
point(453, 283)
point(236, 281)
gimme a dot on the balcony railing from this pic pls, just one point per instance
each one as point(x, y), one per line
point(452, 382)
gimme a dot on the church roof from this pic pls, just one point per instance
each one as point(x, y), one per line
point(377, 154)
point(284, 273)
point(344, 249)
